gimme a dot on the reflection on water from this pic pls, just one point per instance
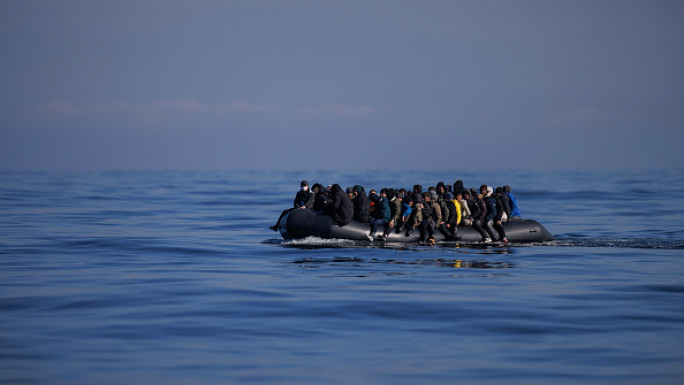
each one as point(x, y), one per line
point(449, 263)
point(564, 240)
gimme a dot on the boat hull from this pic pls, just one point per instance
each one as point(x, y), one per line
point(302, 223)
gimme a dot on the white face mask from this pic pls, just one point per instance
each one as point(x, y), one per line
point(305, 188)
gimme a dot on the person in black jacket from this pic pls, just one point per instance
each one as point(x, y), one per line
point(430, 216)
point(458, 187)
point(340, 207)
point(448, 226)
point(505, 202)
point(500, 210)
point(319, 197)
point(303, 200)
point(361, 204)
point(479, 210)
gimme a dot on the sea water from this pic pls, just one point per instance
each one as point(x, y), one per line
point(174, 278)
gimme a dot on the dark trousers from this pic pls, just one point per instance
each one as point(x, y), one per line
point(378, 222)
point(490, 230)
point(282, 215)
point(426, 228)
point(477, 225)
point(499, 229)
point(449, 233)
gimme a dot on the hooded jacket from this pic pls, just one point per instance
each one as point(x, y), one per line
point(394, 205)
point(361, 205)
point(341, 208)
point(491, 207)
point(319, 198)
point(515, 211)
point(458, 187)
point(499, 208)
point(304, 198)
point(382, 210)
point(481, 209)
point(454, 215)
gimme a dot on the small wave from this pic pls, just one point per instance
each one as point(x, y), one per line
point(272, 241)
point(315, 242)
point(636, 243)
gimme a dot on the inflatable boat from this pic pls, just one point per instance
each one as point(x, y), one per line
point(302, 223)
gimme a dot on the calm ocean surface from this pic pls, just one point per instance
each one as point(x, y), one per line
point(175, 278)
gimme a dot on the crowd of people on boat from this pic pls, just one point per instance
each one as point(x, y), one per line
point(442, 208)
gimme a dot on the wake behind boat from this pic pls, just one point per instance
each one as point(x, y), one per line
point(304, 223)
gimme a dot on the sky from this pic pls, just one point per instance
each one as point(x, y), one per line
point(341, 85)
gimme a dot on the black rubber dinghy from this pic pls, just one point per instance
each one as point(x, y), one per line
point(302, 223)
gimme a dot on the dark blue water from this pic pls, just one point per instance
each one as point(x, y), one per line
point(175, 278)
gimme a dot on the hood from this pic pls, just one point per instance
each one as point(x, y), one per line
point(335, 189)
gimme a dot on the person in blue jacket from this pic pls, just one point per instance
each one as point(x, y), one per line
point(406, 211)
point(515, 211)
point(381, 214)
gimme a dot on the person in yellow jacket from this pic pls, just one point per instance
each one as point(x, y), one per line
point(459, 209)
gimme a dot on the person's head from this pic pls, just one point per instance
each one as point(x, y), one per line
point(466, 194)
point(427, 197)
point(316, 188)
point(417, 189)
point(373, 196)
point(507, 188)
point(499, 191)
point(441, 188)
point(483, 189)
point(304, 186)
point(383, 192)
point(448, 196)
point(336, 189)
point(459, 196)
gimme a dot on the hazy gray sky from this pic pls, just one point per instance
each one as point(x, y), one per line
point(341, 84)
